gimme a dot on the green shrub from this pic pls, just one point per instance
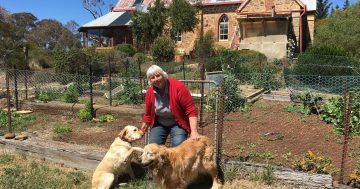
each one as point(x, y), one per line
point(130, 93)
point(85, 114)
point(333, 112)
point(214, 64)
point(234, 102)
point(163, 49)
point(204, 46)
point(71, 95)
point(126, 48)
point(105, 118)
point(62, 129)
point(266, 79)
point(325, 60)
point(140, 58)
point(46, 95)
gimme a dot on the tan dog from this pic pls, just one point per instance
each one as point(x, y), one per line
point(177, 167)
point(117, 160)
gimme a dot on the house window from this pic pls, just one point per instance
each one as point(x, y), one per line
point(178, 38)
point(224, 28)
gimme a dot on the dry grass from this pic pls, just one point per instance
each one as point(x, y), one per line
point(18, 171)
point(246, 184)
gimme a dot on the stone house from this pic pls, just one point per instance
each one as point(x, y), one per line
point(266, 26)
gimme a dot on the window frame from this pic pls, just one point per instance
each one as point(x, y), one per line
point(223, 25)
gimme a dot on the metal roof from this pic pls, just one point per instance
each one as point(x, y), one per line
point(110, 19)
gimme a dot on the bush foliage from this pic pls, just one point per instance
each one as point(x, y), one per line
point(325, 60)
point(163, 49)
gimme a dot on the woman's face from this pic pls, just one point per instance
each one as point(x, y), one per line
point(157, 80)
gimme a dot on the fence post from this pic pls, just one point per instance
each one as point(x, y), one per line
point(26, 84)
point(8, 101)
point(16, 90)
point(219, 132)
point(183, 68)
point(202, 75)
point(346, 122)
point(91, 91)
point(109, 74)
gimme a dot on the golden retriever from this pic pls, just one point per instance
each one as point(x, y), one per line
point(118, 159)
point(177, 167)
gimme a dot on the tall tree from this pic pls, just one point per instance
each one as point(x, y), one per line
point(72, 26)
point(147, 26)
point(13, 31)
point(182, 16)
point(49, 34)
point(322, 9)
point(346, 4)
point(341, 29)
point(96, 7)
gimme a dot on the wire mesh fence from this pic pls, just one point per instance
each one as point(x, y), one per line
point(294, 128)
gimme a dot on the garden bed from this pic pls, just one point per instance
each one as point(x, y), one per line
point(244, 135)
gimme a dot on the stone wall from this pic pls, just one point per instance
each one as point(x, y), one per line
point(210, 16)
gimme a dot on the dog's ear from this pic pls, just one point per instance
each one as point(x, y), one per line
point(123, 133)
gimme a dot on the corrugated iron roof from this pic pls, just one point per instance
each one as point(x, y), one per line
point(110, 19)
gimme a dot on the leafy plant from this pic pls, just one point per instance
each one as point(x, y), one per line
point(163, 49)
point(310, 103)
point(128, 49)
point(266, 78)
point(105, 118)
point(71, 95)
point(294, 108)
point(85, 114)
point(19, 121)
point(314, 164)
point(62, 129)
point(130, 93)
point(233, 100)
point(333, 112)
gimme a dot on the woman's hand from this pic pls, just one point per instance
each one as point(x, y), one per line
point(194, 135)
point(144, 128)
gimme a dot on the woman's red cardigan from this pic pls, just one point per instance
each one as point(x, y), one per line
point(181, 104)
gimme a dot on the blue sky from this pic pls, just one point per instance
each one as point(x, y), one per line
point(60, 10)
point(66, 10)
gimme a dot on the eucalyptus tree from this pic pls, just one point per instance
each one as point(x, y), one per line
point(341, 29)
point(322, 10)
point(13, 39)
point(96, 8)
